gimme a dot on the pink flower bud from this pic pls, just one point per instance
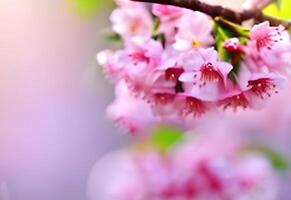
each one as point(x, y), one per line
point(233, 45)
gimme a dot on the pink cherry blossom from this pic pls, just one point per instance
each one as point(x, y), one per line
point(191, 106)
point(251, 90)
point(129, 21)
point(134, 63)
point(263, 85)
point(143, 57)
point(111, 63)
point(270, 46)
point(194, 31)
point(127, 115)
point(204, 76)
point(235, 100)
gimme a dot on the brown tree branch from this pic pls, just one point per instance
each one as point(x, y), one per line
point(216, 11)
point(211, 10)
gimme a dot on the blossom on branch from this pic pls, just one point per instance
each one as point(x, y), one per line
point(183, 64)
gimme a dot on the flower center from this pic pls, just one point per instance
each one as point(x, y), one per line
point(265, 42)
point(209, 74)
point(139, 56)
point(193, 106)
point(235, 102)
point(263, 87)
point(172, 74)
point(163, 98)
point(195, 43)
point(134, 26)
point(270, 39)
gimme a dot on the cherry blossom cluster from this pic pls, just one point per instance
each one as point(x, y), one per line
point(184, 64)
point(206, 169)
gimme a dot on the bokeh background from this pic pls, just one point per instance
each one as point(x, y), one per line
point(53, 96)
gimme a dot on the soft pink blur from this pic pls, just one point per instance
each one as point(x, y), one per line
point(52, 100)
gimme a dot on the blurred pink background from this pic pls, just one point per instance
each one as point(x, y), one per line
point(52, 99)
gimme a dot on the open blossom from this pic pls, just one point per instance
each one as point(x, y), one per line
point(194, 30)
point(270, 46)
point(130, 21)
point(235, 99)
point(263, 85)
point(143, 57)
point(204, 76)
point(133, 63)
point(199, 170)
point(127, 115)
point(252, 89)
point(111, 63)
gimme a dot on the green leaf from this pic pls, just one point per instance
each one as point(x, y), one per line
point(166, 137)
point(277, 159)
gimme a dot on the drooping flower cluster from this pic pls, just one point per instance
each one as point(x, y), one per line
point(184, 64)
point(200, 170)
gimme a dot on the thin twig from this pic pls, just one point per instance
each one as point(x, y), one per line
point(226, 13)
point(211, 10)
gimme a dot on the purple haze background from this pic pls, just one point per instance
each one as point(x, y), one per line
point(52, 99)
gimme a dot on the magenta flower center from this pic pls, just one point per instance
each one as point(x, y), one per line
point(235, 102)
point(263, 87)
point(172, 74)
point(193, 106)
point(209, 74)
point(139, 56)
point(163, 98)
point(269, 39)
point(265, 41)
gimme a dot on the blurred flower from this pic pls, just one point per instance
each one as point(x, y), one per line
point(202, 169)
point(131, 19)
point(269, 47)
point(126, 111)
point(194, 30)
